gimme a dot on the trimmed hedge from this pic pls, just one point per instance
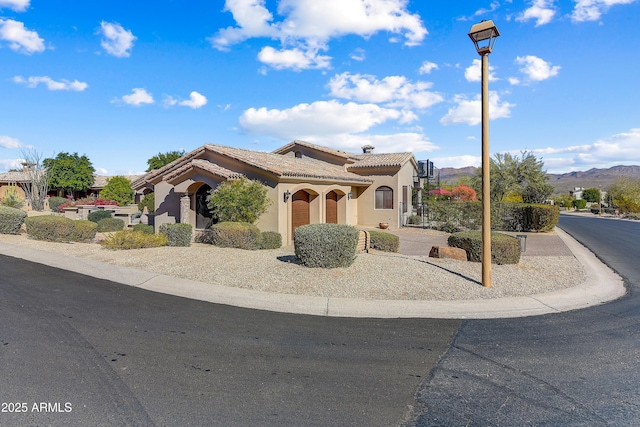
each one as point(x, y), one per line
point(270, 240)
point(536, 217)
point(145, 228)
point(56, 201)
point(106, 225)
point(84, 230)
point(240, 235)
point(326, 245)
point(96, 216)
point(177, 234)
point(11, 219)
point(129, 239)
point(382, 241)
point(50, 228)
point(505, 249)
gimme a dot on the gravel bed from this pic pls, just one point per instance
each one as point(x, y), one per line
point(375, 275)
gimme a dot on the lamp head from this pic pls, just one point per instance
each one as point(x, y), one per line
point(484, 36)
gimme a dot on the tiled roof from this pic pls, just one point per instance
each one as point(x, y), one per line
point(204, 165)
point(380, 160)
point(284, 166)
point(322, 148)
point(99, 181)
point(150, 176)
point(14, 177)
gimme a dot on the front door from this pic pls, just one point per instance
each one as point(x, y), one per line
point(332, 207)
point(299, 210)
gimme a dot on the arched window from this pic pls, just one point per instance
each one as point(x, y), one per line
point(384, 198)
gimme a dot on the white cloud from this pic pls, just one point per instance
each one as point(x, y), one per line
point(17, 5)
point(622, 148)
point(321, 118)
point(19, 38)
point(116, 40)
point(514, 80)
point(137, 98)
point(457, 161)
point(393, 91)
point(469, 111)
point(309, 24)
point(9, 142)
point(473, 73)
point(537, 69)
point(393, 143)
point(541, 10)
point(6, 164)
point(427, 67)
point(358, 55)
point(51, 84)
point(196, 100)
point(592, 10)
point(294, 59)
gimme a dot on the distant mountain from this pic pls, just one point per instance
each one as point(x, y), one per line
point(562, 183)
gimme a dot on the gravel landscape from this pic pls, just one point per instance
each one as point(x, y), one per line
point(374, 275)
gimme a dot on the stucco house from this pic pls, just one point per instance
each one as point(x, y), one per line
point(307, 184)
point(13, 182)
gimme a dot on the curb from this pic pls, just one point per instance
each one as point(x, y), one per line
point(602, 285)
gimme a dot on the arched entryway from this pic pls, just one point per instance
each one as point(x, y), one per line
point(203, 214)
point(331, 208)
point(299, 210)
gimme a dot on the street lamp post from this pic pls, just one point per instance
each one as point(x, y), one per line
point(484, 37)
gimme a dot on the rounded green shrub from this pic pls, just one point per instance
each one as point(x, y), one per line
point(84, 230)
point(130, 239)
point(110, 224)
point(241, 235)
point(149, 202)
point(579, 204)
point(382, 241)
point(505, 249)
point(50, 228)
point(326, 245)
point(11, 220)
point(96, 216)
point(177, 234)
point(270, 240)
point(56, 201)
point(414, 219)
point(145, 228)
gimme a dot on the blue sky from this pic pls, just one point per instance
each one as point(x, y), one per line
point(121, 81)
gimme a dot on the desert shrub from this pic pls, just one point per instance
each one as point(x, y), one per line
point(177, 234)
point(145, 228)
point(326, 245)
point(270, 240)
point(83, 230)
point(579, 204)
point(414, 219)
point(12, 199)
point(148, 202)
point(239, 200)
point(130, 239)
point(11, 220)
point(241, 235)
point(505, 249)
point(50, 228)
point(96, 216)
point(56, 201)
point(110, 224)
point(386, 242)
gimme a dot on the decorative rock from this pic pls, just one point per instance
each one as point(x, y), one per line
point(448, 252)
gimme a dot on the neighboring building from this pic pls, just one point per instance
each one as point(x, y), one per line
point(307, 184)
point(13, 181)
point(576, 192)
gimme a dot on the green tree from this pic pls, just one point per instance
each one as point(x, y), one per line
point(163, 159)
point(522, 175)
point(625, 192)
point(148, 202)
point(591, 195)
point(118, 188)
point(70, 172)
point(238, 200)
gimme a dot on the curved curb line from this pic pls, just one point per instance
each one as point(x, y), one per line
point(602, 285)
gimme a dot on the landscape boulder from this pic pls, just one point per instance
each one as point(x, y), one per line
point(448, 252)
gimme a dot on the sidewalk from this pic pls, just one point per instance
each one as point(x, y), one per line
point(602, 285)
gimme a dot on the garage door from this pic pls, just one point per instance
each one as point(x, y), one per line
point(299, 210)
point(332, 207)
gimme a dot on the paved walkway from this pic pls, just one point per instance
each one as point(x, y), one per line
point(602, 285)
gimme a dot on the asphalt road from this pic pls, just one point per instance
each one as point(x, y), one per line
point(578, 368)
point(97, 353)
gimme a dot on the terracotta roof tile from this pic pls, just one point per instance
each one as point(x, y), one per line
point(380, 160)
point(204, 165)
